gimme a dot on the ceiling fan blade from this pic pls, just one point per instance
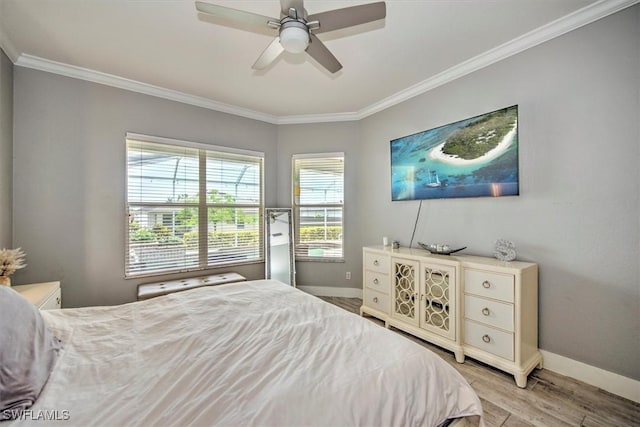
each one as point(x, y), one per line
point(298, 5)
point(269, 55)
point(349, 16)
point(238, 16)
point(318, 51)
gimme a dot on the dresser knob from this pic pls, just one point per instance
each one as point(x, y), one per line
point(485, 311)
point(375, 299)
point(486, 284)
point(375, 262)
point(375, 281)
point(486, 338)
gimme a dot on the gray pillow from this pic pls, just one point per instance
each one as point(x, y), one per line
point(28, 352)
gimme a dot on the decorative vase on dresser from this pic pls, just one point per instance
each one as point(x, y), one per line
point(474, 306)
point(5, 281)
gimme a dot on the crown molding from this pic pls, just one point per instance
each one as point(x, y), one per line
point(563, 25)
point(75, 72)
point(570, 22)
point(318, 118)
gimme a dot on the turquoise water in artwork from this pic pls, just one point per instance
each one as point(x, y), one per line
point(415, 175)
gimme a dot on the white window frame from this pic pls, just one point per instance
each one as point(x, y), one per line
point(300, 256)
point(202, 206)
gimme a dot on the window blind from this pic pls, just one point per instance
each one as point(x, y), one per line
point(318, 200)
point(191, 206)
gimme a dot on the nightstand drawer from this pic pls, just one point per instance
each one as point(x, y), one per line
point(376, 300)
point(489, 339)
point(45, 296)
point(53, 302)
point(377, 281)
point(491, 312)
point(489, 285)
point(376, 262)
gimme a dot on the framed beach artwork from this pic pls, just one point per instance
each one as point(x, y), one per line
point(475, 157)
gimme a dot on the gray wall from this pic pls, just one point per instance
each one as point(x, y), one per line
point(69, 176)
point(326, 138)
point(6, 150)
point(578, 212)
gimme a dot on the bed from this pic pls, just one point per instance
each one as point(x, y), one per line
point(257, 353)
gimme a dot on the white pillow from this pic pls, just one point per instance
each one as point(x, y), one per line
point(28, 352)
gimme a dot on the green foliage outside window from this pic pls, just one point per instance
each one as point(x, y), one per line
point(140, 235)
point(221, 239)
point(187, 218)
point(316, 233)
point(186, 223)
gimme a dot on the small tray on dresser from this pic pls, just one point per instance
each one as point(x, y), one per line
point(434, 250)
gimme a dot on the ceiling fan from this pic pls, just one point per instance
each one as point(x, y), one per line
point(297, 30)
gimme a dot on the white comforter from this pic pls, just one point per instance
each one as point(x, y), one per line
point(254, 353)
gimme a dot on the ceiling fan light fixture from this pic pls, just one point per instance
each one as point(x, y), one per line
point(294, 37)
point(297, 30)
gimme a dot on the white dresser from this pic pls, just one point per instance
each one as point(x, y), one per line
point(45, 296)
point(474, 306)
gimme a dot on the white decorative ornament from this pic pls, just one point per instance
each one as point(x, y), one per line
point(505, 250)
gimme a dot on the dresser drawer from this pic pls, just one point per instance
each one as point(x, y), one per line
point(377, 281)
point(489, 339)
point(489, 285)
point(376, 262)
point(376, 300)
point(494, 313)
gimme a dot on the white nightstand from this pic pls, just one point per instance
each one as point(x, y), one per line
point(45, 296)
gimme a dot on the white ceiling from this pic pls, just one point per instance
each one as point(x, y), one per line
point(166, 44)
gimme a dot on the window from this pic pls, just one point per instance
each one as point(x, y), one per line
point(318, 201)
point(171, 226)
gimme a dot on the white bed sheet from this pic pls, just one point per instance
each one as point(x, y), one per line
point(257, 353)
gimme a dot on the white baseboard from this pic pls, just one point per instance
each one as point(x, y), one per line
point(609, 381)
point(328, 291)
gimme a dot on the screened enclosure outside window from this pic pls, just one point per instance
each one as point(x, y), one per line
point(318, 201)
point(191, 206)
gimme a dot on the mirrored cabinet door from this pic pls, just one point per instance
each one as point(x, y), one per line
point(279, 253)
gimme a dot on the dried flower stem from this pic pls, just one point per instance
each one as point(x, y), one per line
point(11, 260)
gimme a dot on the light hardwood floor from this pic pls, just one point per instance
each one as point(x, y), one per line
point(549, 400)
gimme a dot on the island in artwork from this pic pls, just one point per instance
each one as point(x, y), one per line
point(479, 137)
point(475, 157)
